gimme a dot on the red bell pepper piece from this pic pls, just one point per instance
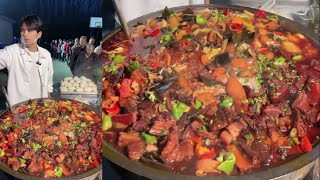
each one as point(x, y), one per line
point(204, 152)
point(113, 109)
point(305, 144)
point(95, 163)
point(5, 146)
point(226, 11)
point(155, 32)
point(187, 29)
point(295, 150)
point(125, 88)
point(236, 27)
point(261, 14)
point(185, 42)
point(263, 50)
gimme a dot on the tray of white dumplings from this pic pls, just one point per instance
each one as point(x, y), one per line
point(78, 85)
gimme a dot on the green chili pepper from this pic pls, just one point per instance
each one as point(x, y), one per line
point(200, 20)
point(227, 102)
point(2, 153)
point(198, 104)
point(151, 96)
point(46, 104)
point(58, 173)
point(22, 161)
point(83, 124)
point(118, 59)
point(166, 38)
point(58, 143)
point(134, 65)
point(30, 113)
point(227, 165)
point(35, 147)
point(248, 136)
point(279, 61)
point(178, 108)
point(297, 57)
point(106, 123)
point(6, 125)
point(149, 138)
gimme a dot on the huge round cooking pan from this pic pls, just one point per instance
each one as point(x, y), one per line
point(289, 169)
point(91, 174)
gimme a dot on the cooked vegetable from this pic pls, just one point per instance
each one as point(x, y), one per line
point(178, 108)
point(228, 163)
point(106, 123)
point(149, 139)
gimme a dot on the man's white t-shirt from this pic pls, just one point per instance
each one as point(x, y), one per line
point(136, 8)
point(35, 81)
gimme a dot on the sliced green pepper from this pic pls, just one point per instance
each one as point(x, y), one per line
point(166, 38)
point(151, 96)
point(198, 104)
point(58, 173)
point(248, 136)
point(149, 138)
point(279, 61)
point(30, 113)
point(2, 153)
point(200, 20)
point(178, 108)
point(297, 57)
point(6, 125)
point(134, 65)
point(46, 104)
point(58, 143)
point(227, 102)
point(106, 123)
point(35, 146)
point(22, 161)
point(227, 165)
point(118, 59)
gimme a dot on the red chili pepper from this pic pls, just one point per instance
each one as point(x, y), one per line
point(74, 102)
point(95, 163)
point(125, 88)
point(278, 33)
point(113, 109)
point(185, 42)
point(4, 147)
point(305, 144)
point(226, 11)
point(204, 152)
point(263, 50)
point(261, 13)
point(155, 32)
point(11, 136)
point(187, 29)
point(236, 27)
point(295, 150)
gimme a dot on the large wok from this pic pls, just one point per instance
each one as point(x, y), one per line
point(92, 174)
point(295, 168)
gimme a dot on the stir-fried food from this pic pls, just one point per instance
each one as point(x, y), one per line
point(211, 91)
point(51, 138)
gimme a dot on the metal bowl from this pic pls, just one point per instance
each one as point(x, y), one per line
point(295, 168)
point(88, 175)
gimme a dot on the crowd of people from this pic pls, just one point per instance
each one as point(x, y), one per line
point(81, 56)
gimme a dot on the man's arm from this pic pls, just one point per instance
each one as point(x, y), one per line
point(5, 58)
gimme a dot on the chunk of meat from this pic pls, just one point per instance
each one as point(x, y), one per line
point(160, 126)
point(226, 137)
point(136, 150)
point(185, 151)
point(14, 162)
point(167, 153)
point(234, 129)
point(272, 111)
point(27, 154)
point(302, 102)
point(128, 138)
point(63, 138)
point(49, 173)
point(301, 126)
point(34, 166)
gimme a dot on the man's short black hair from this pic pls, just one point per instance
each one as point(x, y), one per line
point(33, 22)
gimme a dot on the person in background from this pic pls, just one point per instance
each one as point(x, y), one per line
point(67, 51)
point(87, 63)
point(59, 49)
point(77, 50)
point(98, 50)
point(92, 40)
point(62, 50)
point(29, 65)
point(76, 44)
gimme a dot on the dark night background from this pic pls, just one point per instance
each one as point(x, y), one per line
point(65, 19)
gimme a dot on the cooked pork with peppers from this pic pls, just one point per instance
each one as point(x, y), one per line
point(51, 138)
point(211, 91)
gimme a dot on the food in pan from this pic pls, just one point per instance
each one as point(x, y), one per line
point(51, 138)
point(77, 84)
point(211, 91)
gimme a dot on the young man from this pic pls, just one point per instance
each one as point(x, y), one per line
point(29, 65)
